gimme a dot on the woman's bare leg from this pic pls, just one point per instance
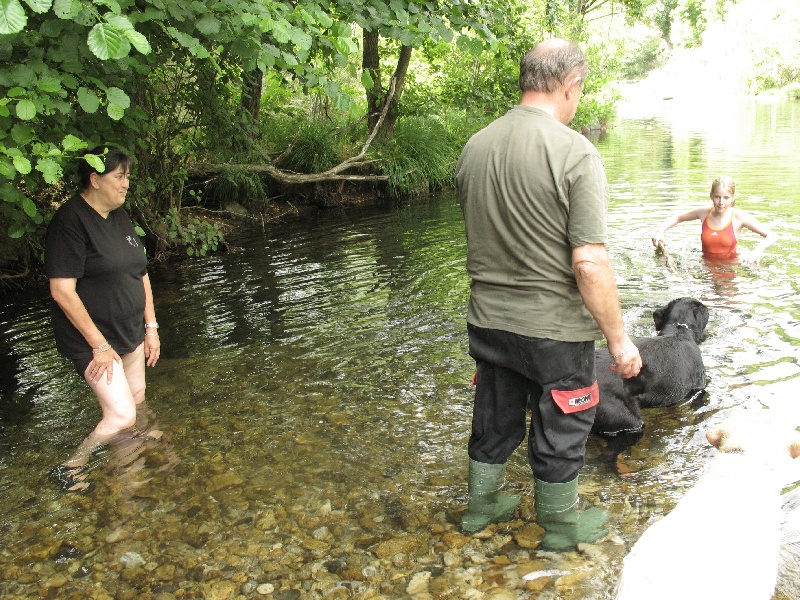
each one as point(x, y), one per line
point(118, 401)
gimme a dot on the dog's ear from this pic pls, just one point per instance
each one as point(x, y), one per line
point(716, 437)
point(660, 317)
point(701, 319)
point(794, 449)
point(701, 313)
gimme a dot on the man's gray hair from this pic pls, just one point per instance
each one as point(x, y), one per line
point(548, 64)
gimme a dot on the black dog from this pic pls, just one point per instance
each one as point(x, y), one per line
point(672, 370)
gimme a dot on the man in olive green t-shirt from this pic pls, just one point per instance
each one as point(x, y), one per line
point(534, 197)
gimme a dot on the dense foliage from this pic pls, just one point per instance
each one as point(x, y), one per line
point(300, 86)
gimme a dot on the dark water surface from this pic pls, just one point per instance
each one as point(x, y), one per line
point(314, 394)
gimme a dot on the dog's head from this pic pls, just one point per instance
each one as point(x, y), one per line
point(757, 434)
point(683, 312)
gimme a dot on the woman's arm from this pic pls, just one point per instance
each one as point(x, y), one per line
point(770, 237)
point(659, 235)
point(62, 289)
point(152, 343)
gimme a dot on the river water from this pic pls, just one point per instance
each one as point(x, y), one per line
point(315, 398)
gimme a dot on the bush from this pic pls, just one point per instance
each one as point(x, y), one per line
point(421, 156)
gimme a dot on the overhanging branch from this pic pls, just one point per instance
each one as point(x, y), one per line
point(336, 173)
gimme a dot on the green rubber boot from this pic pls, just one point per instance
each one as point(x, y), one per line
point(557, 512)
point(486, 503)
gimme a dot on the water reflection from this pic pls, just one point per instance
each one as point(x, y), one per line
point(314, 394)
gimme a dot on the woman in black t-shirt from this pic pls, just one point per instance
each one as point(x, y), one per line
point(103, 314)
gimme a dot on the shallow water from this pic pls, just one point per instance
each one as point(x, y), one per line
point(314, 394)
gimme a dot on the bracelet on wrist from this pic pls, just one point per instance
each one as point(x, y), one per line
point(104, 347)
point(150, 335)
point(153, 325)
point(625, 349)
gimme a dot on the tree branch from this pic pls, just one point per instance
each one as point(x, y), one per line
point(290, 177)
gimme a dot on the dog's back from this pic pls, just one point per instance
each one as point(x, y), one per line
point(672, 370)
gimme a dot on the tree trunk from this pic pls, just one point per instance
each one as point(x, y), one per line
point(387, 130)
point(252, 82)
point(371, 63)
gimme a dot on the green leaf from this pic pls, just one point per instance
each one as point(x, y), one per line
point(88, 100)
point(22, 165)
point(104, 41)
point(72, 144)
point(67, 9)
point(29, 207)
point(139, 41)
point(8, 171)
point(120, 22)
point(139, 231)
point(16, 231)
point(50, 169)
point(184, 39)
point(115, 111)
point(39, 6)
point(199, 51)
point(112, 5)
point(22, 133)
point(26, 110)
point(344, 45)
point(301, 39)
point(208, 25)
point(117, 96)
point(12, 17)
point(50, 85)
point(280, 32)
point(97, 162)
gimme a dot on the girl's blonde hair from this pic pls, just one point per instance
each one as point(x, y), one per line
point(724, 182)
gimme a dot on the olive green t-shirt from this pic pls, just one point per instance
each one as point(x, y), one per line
point(531, 189)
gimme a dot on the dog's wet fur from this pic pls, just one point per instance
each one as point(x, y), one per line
point(672, 371)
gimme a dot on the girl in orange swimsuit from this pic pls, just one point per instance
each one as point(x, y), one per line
point(722, 224)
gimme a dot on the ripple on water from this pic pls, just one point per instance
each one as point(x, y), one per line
point(315, 398)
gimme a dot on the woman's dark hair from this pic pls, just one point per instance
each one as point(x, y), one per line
point(113, 158)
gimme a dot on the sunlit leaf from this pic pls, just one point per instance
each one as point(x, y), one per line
point(26, 109)
point(120, 22)
point(12, 17)
point(344, 45)
point(280, 32)
point(104, 41)
point(115, 111)
point(184, 39)
point(117, 96)
point(67, 9)
point(70, 143)
point(50, 169)
point(138, 41)
point(39, 6)
point(22, 165)
point(96, 162)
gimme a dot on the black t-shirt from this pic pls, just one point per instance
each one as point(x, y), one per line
point(108, 261)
